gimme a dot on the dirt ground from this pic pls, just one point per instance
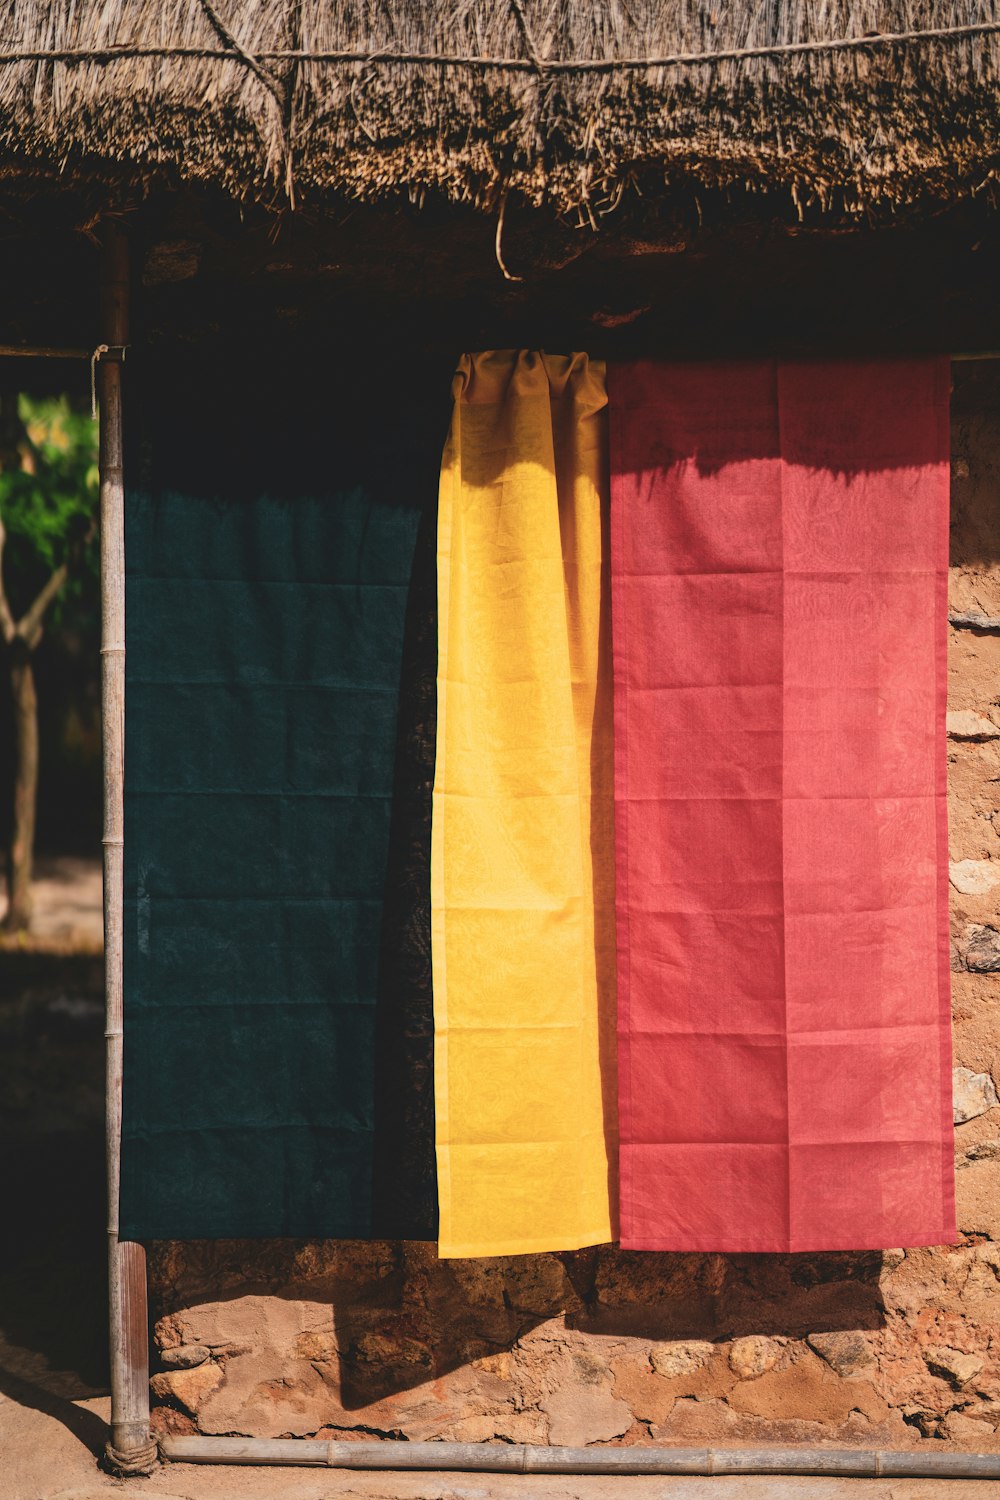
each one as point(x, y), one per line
point(67, 896)
point(185, 1482)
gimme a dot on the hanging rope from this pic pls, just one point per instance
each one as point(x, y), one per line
point(498, 241)
point(112, 351)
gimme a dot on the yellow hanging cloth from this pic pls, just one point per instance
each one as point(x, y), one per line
point(522, 862)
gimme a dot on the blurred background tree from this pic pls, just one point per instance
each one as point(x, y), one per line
point(49, 572)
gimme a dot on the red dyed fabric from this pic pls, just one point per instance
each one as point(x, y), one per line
point(779, 556)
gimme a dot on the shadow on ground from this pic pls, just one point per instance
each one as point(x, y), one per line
point(53, 1302)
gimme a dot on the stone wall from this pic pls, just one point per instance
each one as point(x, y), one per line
point(349, 1340)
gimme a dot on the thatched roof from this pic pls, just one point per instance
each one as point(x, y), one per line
point(844, 103)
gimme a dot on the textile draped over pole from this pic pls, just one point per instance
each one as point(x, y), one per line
point(268, 588)
point(522, 841)
point(780, 548)
point(779, 545)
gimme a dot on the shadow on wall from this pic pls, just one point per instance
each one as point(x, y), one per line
point(975, 446)
point(458, 1311)
point(350, 1327)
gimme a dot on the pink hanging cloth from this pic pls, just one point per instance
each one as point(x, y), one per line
point(779, 572)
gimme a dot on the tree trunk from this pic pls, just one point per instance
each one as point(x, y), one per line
point(22, 843)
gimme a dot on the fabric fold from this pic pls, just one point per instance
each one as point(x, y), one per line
point(522, 862)
point(779, 570)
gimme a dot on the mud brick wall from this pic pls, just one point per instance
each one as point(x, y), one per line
point(897, 1348)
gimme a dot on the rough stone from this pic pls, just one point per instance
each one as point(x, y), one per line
point(184, 1356)
point(248, 1322)
point(651, 1397)
point(658, 1295)
point(984, 1151)
point(387, 1351)
point(535, 1284)
point(982, 953)
point(807, 1391)
point(973, 1094)
point(693, 1422)
point(977, 1035)
point(671, 1360)
point(974, 877)
point(167, 1421)
point(966, 724)
point(750, 1357)
point(256, 1401)
point(168, 1332)
point(315, 1345)
point(187, 1388)
point(968, 1431)
point(589, 1368)
point(952, 1365)
point(478, 1429)
point(972, 620)
point(843, 1352)
point(521, 1427)
point(648, 1396)
point(584, 1414)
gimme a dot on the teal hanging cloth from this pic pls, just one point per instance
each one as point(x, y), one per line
point(266, 603)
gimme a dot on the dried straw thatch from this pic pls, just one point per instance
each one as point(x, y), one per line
point(569, 102)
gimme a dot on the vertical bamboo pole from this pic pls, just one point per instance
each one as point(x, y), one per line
point(130, 1449)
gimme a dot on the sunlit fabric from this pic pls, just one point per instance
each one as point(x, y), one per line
point(522, 843)
point(779, 547)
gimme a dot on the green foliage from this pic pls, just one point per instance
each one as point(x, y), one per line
point(49, 501)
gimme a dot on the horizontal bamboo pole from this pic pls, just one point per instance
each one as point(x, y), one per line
point(519, 1458)
point(42, 351)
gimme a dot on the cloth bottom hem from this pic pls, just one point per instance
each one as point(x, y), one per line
point(929, 1239)
point(478, 1251)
